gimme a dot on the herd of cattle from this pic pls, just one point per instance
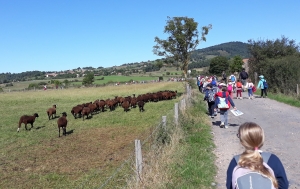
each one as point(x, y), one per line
point(88, 109)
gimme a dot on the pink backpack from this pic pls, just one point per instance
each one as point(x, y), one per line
point(229, 88)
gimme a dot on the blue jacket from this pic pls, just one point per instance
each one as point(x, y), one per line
point(260, 84)
point(274, 162)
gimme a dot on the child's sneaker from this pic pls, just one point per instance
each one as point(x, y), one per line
point(212, 116)
point(222, 125)
point(226, 127)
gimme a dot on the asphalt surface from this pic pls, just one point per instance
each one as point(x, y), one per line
point(281, 124)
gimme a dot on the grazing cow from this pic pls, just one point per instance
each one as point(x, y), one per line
point(62, 123)
point(52, 112)
point(27, 119)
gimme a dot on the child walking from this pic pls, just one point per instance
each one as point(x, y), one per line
point(210, 98)
point(250, 86)
point(239, 88)
point(230, 88)
point(224, 111)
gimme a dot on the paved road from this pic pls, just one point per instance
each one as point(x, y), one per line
point(281, 124)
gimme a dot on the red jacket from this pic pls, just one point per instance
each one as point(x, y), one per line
point(220, 94)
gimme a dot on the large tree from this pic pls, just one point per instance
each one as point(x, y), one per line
point(278, 60)
point(183, 39)
point(218, 64)
point(236, 64)
point(88, 79)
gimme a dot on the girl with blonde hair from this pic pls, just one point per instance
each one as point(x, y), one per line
point(252, 137)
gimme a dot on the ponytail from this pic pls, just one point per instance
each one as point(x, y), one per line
point(253, 160)
point(252, 138)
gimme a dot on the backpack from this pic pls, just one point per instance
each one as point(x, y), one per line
point(232, 78)
point(211, 95)
point(244, 178)
point(265, 84)
point(239, 85)
point(222, 102)
point(213, 83)
point(229, 88)
point(244, 75)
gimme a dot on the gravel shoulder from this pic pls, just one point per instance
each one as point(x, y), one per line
point(281, 124)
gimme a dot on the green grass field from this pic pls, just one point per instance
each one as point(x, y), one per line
point(39, 159)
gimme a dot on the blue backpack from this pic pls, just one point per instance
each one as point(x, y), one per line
point(232, 78)
point(213, 83)
point(265, 84)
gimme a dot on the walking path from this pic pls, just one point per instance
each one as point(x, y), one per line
point(281, 124)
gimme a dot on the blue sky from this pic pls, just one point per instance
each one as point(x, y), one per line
point(55, 35)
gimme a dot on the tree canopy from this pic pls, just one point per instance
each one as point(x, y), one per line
point(278, 60)
point(183, 38)
point(236, 64)
point(88, 79)
point(218, 65)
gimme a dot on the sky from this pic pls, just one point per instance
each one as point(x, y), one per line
point(58, 35)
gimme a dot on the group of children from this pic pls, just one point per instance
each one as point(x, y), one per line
point(233, 85)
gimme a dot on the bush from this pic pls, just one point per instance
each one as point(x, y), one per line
point(41, 83)
point(160, 78)
point(1, 90)
point(9, 85)
point(34, 85)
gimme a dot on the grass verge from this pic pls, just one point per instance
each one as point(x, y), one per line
point(194, 166)
point(187, 161)
point(290, 100)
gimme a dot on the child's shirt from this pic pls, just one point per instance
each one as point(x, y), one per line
point(250, 85)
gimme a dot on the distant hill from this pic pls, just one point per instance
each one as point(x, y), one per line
point(199, 58)
point(229, 49)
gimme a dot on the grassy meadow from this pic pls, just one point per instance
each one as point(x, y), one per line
point(92, 149)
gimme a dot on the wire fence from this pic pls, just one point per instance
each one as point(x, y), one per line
point(154, 139)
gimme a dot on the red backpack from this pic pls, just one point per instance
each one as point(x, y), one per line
point(239, 85)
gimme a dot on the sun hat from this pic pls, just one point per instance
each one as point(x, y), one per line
point(261, 76)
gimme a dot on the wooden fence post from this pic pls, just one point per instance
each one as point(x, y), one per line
point(176, 113)
point(138, 159)
point(164, 122)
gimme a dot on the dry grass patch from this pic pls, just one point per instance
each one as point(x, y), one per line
point(72, 156)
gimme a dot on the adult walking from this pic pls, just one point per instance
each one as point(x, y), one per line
point(262, 86)
point(243, 76)
point(224, 79)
